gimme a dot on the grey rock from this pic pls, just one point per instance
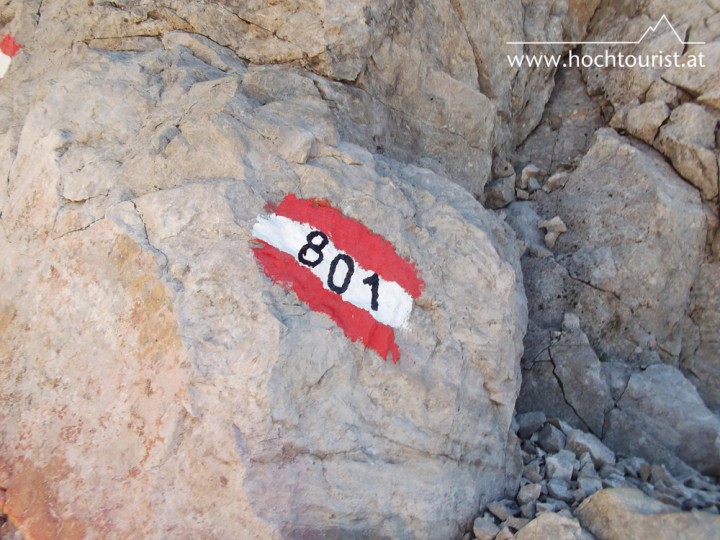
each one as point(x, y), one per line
point(632, 466)
point(643, 121)
point(560, 466)
point(528, 493)
point(560, 489)
point(588, 471)
point(660, 475)
point(700, 358)
point(614, 480)
point(589, 485)
point(484, 528)
point(578, 369)
point(551, 439)
point(532, 471)
point(499, 193)
point(668, 410)
point(580, 442)
point(688, 139)
point(523, 219)
point(529, 509)
point(529, 423)
point(516, 523)
point(505, 534)
point(635, 237)
point(499, 510)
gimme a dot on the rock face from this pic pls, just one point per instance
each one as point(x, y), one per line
point(144, 347)
point(635, 238)
point(666, 408)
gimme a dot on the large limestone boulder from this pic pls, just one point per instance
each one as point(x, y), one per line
point(151, 368)
point(612, 514)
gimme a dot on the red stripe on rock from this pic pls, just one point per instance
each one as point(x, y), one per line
point(8, 46)
point(357, 323)
point(369, 249)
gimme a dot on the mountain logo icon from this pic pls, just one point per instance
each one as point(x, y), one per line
point(650, 30)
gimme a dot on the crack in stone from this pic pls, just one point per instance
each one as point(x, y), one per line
point(562, 391)
point(483, 79)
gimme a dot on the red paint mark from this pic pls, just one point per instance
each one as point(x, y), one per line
point(367, 248)
point(357, 323)
point(8, 46)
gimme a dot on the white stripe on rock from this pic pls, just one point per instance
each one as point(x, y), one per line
point(289, 236)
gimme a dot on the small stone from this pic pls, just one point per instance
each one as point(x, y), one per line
point(660, 475)
point(499, 510)
point(551, 439)
point(545, 506)
point(539, 252)
point(560, 466)
point(533, 185)
point(529, 423)
point(645, 472)
point(530, 171)
point(588, 471)
point(522, 195)
point(485, 529)
point(614, 481)
point(554, 227)
point(562, 425)
point(668, 499)
point(517, 523)
point(467, 536)
point(609, 470)
point(531, 471)
point(529, 510)
point(631, 466)
point(589, 485)
point(499, 193)
point(504, 534)
point(529, 492)
point(556, 181)
point(580, 442)
point(560, 490)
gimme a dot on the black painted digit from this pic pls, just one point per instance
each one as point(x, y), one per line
point(315, 248)
point(374, 282)
point(348, 275)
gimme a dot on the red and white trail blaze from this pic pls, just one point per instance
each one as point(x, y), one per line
point(8, 48)
point(339, 267)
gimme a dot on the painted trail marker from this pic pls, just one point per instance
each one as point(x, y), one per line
point(339, 267)
point(8, 48)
